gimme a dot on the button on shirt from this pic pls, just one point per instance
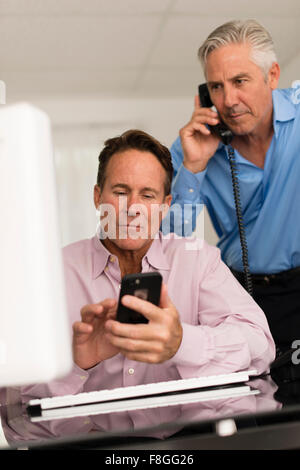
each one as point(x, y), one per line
point(270, 197)
point(224, 330)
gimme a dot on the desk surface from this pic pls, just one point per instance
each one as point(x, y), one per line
point(274, 407)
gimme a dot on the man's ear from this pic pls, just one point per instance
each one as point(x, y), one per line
point(273, 76)
point(168, 199)
point(166, 205)
point(97, 195)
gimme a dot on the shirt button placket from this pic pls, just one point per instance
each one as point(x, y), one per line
point(130, 377)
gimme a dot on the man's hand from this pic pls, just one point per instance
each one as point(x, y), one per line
point(90, 345)
point(154, 342)
point(198, 143)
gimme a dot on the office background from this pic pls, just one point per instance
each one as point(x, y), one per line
point(99, 67)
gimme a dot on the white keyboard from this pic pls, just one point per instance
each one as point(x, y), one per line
point(141, 403)
point(108, 398)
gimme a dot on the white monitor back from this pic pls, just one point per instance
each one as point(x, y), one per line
point(35, 336)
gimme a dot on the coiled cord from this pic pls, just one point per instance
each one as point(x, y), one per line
point(237, 202)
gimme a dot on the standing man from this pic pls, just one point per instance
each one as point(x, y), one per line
point(242, 74)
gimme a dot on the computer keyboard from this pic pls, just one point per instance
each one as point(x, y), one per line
point(141, 403)
point(138, 391)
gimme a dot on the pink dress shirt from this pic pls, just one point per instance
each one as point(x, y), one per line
point(224, 330)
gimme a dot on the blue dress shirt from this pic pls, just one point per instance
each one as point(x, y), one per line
point(270, 197)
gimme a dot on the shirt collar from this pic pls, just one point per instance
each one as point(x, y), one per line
point(155, 256)
point(100, 257)
point(283, 108)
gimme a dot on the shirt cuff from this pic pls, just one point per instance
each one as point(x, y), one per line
point(196, 348)
point(206, 350)
point(188, 184)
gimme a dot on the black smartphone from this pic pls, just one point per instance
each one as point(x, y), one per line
point(146, 286)
point(221, 130)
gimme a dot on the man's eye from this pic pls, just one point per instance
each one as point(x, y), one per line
point(215, 87)
point(120, 193)
point(148, 196)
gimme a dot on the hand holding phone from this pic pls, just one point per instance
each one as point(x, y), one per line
point(154, 342)
point(199, 144)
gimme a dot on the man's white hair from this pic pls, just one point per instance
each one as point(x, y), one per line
point(242, 32)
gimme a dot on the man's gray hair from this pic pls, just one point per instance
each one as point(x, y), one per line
point(239, 32)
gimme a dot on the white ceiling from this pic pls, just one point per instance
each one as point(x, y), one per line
point(138, 48)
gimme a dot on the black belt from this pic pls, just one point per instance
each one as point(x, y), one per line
point(268, 279)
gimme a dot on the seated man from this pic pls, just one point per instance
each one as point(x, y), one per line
point(205, 324)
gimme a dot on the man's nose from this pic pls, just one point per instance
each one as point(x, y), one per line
point(230, 96)
point(133, 199)
point(135, 206)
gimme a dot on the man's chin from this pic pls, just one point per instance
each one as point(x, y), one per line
point(241, 126)
point(130, 244)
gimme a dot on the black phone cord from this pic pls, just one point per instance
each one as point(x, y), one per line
point(241, 227)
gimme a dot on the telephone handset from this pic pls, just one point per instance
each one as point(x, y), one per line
point(226, 136)
point(221, 130)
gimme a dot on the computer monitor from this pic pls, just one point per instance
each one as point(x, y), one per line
point(35, 335)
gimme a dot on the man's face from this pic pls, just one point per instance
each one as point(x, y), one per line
point(134, 190)
point(239, 89)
